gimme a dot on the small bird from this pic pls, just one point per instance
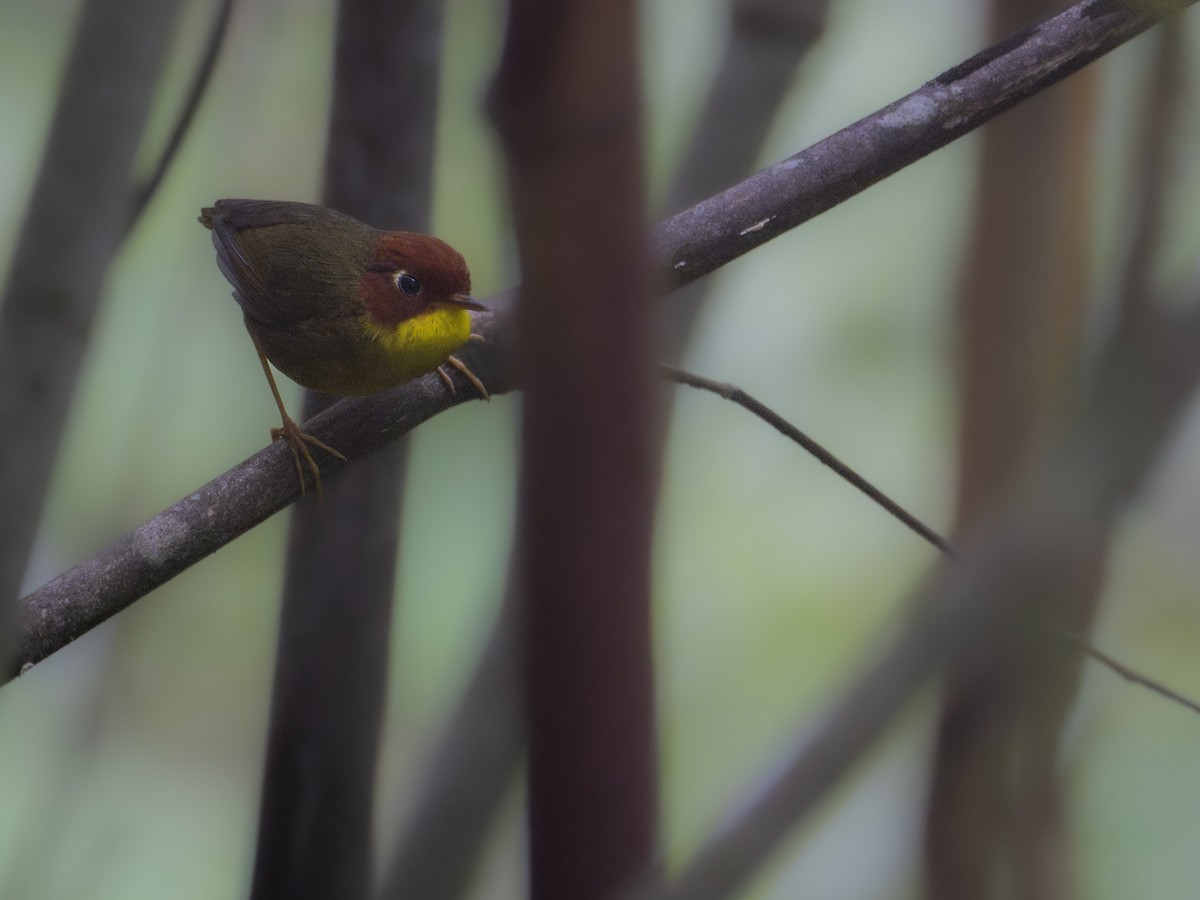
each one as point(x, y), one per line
point(338, 306)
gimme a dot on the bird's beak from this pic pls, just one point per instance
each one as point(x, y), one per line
point(467, 302)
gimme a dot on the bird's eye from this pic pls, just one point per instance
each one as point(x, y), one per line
point(408, 283)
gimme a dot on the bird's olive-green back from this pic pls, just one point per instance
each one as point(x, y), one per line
point(290, 262)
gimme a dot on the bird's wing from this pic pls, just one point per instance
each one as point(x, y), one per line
point(261, 268)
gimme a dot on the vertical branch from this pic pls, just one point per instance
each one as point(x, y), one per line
point(480, 746)
point(995, 802)
point(565, 102)
point(71, 232)
point(332, 663)
point(379, 163)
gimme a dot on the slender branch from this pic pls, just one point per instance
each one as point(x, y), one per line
point(689, 245)
point(1019, 564)
point(736, 395)
point(143, 193)
point(1131, 675)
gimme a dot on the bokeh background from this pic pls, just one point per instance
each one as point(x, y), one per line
point(130, 762)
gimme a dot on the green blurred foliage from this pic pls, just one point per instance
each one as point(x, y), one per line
point(130, 760)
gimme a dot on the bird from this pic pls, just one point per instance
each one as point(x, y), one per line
point(339, 306)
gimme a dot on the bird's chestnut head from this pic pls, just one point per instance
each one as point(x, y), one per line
point(408, 274)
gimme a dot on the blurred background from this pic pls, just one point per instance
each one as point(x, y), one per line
point(130, 762)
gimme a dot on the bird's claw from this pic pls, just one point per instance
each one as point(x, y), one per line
point(298, 442)
point(465, 369)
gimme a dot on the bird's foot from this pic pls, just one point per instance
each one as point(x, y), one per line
point(298, 441)
point(462, 367)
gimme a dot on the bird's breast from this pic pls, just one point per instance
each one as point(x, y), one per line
point(359, 356)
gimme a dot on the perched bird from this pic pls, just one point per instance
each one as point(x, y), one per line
point(338, 306)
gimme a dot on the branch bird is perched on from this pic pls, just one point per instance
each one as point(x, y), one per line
point(338, 306)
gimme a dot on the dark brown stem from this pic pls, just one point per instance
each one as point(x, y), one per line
point(477, 754)
point(565, 102)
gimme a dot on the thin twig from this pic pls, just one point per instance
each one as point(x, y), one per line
point(735, 394)
point(1022, 558)
point(142, 193)
point(1131, 675)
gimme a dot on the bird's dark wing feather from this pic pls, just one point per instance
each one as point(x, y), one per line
point(233, 264)
point(280, 281)
point(261, 213)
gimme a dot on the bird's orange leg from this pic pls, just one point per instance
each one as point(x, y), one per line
point(465, 369)
point(297, 440)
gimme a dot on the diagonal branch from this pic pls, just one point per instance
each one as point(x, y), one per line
point(705, 237)
point(212, 516)
point(689, 245)
point(767, 42)
point(736, 395)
